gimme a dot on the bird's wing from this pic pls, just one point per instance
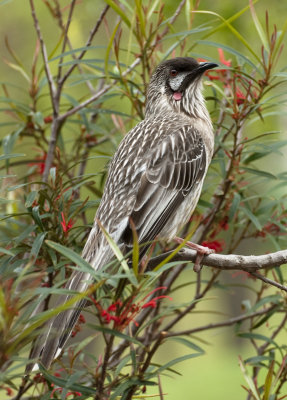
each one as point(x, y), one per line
point(171, 170)
point(174, 166)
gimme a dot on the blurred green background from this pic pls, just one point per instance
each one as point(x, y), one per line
point(215, 375)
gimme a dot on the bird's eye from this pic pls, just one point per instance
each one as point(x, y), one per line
point(173, 72)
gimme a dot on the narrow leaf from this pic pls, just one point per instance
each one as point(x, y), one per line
point(71, 255)
point(258, 26)
point(119, 256)
point(268, 381)
point(37, 245)
point(119, 11)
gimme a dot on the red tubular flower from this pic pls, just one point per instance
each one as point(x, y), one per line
point(216, 245)
point(222, 59)
point(40, 163)
point(66, 226)
point(240, 96)
point(48, 119)
point(126, 313)
point(152, 303)
point(82, 319)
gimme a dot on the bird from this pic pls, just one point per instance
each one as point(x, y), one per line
point(153, 185)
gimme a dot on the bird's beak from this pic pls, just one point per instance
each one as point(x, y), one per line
point(197, 72)
point(204, 66)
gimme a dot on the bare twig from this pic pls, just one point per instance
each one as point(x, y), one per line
point(98, 94)
point(88, 44)
point(45, 56)
point(268, 281)
point(227, 322)
point(66, 39)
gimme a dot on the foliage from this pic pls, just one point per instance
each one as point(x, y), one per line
point(79, 103)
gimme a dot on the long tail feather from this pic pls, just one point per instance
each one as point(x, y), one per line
point(57, 330)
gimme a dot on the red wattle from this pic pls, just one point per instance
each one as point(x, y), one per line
point(177, 96)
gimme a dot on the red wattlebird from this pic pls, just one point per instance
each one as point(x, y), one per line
point(155, 180)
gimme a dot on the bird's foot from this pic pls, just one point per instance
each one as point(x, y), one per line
point(201, 252)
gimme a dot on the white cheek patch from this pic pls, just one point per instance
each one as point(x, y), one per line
point(176, 81)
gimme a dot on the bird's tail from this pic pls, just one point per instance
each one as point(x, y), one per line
point(57, 330)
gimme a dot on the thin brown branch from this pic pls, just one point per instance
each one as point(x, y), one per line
point(268, 281)
point(173, 18)
point(100, 383)
point(228, 322)
point(88, 44)
point(97, 95)
point(188, 309)
point(66, 39)
point(55, 129)
point(279, 328)
point(45, 56)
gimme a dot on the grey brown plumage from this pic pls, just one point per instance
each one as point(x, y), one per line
point(155, 180)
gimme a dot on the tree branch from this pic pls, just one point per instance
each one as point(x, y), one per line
point(45, 56)
point(66, 39)
point(227, 262)
point(97, 95)
point(88, 43)
point(228, 322)
point(231, 262)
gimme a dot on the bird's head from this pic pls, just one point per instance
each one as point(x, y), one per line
point(176, 84)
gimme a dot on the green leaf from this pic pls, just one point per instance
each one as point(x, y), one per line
point(177, 360)
point(5, 251)
point(264, 318)
point(234, 31)
point(74, 257)
point(8, 156)
point(249, 380)
point(129, 272)
point(116, 333)
point(230, 50)
point(263, 174)
point(119, 11)
point(274, 298)
point(234, 205)
point(268, 381)
point(259, 29)
point(31, 198)
point(37, 244)
point(37, 217)
point(258, 336)
point(66, 384)
point(77, 50)
point(110, 44)
point(257, 360)
point(46, 315)
point(187, 343)
point(252, 218)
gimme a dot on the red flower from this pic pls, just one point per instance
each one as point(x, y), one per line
point(77, 327)
point(40, 163)
point(222, 59)
point(152, 303)
point(216, 245)
point(9, 391)
point(66, 226)
point(48, 119)
point(126, 313)
point(240, 96)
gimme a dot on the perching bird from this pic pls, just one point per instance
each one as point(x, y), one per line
point(155, 180)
